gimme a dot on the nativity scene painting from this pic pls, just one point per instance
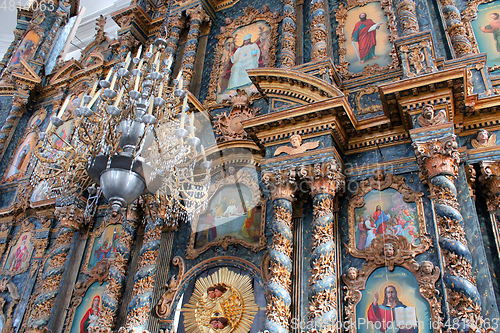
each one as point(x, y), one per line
point(385, 213)
point(247, 48)
point(104, 244)
point(367, 37)
point(230, 212)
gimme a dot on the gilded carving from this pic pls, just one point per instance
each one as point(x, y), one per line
point(164, 307)
point(70, 216)
point(437, 156)
point(490, 177)
point(280, 183)
point(372, 108)
point(221, 302)
point(484, 139)
point(229, 126)
point(297, 147)
point(407, 16)
point(8, 314)
point(428, 117)
point(251, 15)
point(382, 181)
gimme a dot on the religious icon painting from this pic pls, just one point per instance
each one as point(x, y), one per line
point(391, 302)
point(27, 47)
point(366, 29)
point(246, 48)
point(20, 161)
point(19, 257)
point(87, 313)
point(37, 119)
point(385, 213)
point(486, 28)
point(104, 244)
point(234, 215)
point(367, 37)
point(248, 42)
point(386, 207)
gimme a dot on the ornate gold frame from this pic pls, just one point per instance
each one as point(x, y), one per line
point(402, 257)
point(26, 226)
point(99, 273)
point(245, 178)
point(381, 181)
point(341, 16)
point(469, 14)
point(251, 15)
point(109, 220)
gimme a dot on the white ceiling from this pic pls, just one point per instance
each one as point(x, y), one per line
point(86, 29)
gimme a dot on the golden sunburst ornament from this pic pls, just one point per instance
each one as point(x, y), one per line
point(221, 303)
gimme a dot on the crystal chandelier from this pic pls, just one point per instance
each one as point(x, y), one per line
point(133, 135)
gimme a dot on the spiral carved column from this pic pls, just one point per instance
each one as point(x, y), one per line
point(289, 32)
point(456, 28)
point(326, 181)
point(175, 26)
point(16, 111)
point(318, 30)
point(70, 219)
point(438, 160)
point(117, 272)
point(139, 308)
point(407, 17)
point(197, 15)
point(282, 185)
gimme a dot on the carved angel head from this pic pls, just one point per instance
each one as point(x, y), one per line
point(352, 273)
point(482, 136)
point(428, 112)
point(296, 140)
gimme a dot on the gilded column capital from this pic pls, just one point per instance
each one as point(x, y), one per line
point(281, 183)
point(176, 21)
point(70, 216)
point(324, 177)
point(437, 157)
point(197, 13)
point(490, 178)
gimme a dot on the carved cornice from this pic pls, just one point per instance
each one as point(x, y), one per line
point(437, 157)
point(490, 178)
point(324, 177)
point(280, 183)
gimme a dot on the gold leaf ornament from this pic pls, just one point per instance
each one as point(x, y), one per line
point(222, 302)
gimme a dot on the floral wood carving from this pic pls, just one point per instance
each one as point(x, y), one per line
point(164, 307)
point(341, 16)
point(8, 315)
point(229, 126)
point(381, 181)
point(251, 15)
point(367, 109)
point(425, 273)
point(241, 177)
